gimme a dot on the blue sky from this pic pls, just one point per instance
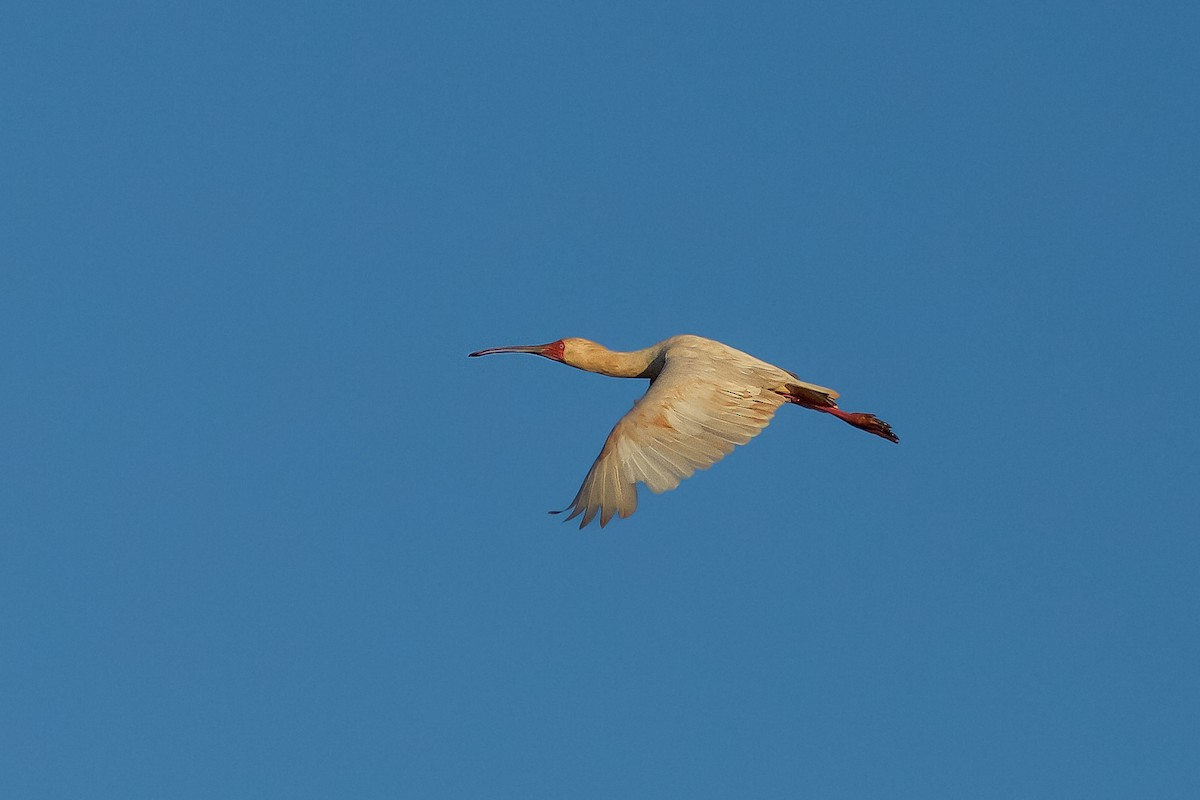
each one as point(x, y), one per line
point(265, 531)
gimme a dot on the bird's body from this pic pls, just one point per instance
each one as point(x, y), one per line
point(704, 399)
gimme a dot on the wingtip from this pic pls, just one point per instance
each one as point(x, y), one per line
point(574, 513)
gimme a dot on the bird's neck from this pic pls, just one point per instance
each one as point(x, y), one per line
point(636, 364)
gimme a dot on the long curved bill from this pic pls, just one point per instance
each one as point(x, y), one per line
point(536, 349)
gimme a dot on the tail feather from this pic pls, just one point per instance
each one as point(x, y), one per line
point(810, 395)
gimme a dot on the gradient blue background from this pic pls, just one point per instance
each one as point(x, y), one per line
point(265, 531)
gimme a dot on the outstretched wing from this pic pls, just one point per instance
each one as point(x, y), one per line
point(694, 413)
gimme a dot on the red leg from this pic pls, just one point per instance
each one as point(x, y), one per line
point(867, 422)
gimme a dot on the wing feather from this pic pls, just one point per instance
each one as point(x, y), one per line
point(693, 415)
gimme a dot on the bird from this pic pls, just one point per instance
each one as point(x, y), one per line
point(704, 399)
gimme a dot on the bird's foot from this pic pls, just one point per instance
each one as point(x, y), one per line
point(867, 422)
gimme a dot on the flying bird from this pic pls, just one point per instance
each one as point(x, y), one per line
point(704, 399)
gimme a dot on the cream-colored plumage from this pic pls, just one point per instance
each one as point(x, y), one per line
point(705, 398)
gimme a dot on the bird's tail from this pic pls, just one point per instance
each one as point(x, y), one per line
point(809, 395)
